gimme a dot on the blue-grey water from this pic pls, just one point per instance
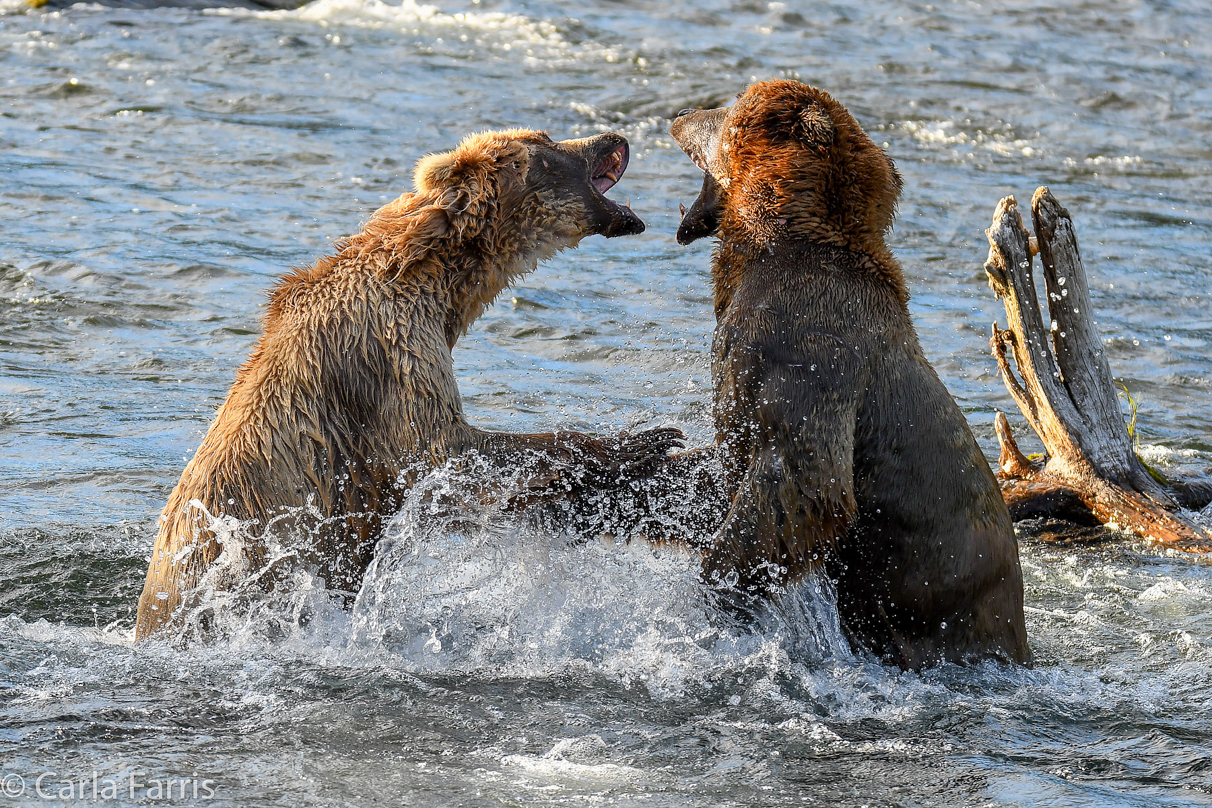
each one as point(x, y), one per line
point(159, 168)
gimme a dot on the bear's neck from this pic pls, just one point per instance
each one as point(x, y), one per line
point(737, 258)
point(754, 225)
point(473, 275)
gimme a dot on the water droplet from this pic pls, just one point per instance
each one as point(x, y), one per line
point(433, 645)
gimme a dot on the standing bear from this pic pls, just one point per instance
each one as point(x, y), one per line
point(350, 394)
point(840, 446)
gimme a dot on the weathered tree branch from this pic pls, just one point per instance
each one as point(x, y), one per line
point(1066, 392)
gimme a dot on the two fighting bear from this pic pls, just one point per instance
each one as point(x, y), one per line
point(842, 450)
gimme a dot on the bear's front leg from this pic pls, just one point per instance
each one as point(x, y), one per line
point(788, 423)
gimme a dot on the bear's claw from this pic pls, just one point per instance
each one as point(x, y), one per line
point(638, 454)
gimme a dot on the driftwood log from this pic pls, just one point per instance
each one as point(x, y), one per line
point(1064, 388)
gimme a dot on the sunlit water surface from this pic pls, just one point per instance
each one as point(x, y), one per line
point(158, 169)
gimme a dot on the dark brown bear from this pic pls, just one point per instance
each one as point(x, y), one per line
point(840, 445)
point(350, 394)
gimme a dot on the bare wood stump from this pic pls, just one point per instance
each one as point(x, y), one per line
point(1066, 391)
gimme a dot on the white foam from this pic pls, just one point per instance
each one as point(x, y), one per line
point(556, 768)
point(1164, 590)
point(1156, 455)
point(497, 32)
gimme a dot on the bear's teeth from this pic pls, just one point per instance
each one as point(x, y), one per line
point(610, 171)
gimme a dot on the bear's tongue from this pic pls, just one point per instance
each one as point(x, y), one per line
point(610, 170)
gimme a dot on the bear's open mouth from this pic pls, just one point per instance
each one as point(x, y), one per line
point(614, 219)
point(610, 170)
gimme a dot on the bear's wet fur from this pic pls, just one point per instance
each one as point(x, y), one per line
point(842, 450)
point(350, 394)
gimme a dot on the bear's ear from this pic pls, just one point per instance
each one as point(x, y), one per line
point(476, 159)
point(813, 126)
point(437, 171)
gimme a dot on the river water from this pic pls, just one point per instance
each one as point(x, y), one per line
point(159, 168)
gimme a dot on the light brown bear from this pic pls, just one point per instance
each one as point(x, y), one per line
point(350, 394)
point(840, 446)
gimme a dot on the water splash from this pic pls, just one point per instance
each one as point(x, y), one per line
point(474, 588)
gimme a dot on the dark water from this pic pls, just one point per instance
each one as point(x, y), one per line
point(158, 169)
